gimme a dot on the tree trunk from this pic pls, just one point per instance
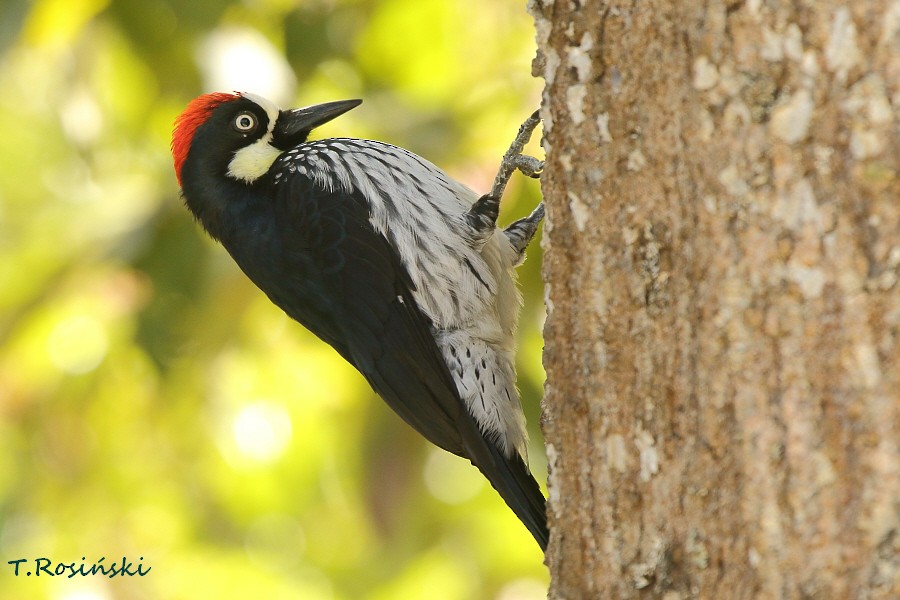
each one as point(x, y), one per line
point(722, 260)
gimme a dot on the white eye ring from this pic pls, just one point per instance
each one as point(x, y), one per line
point(245, 122)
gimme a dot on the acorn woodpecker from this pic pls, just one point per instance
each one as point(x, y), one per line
point(383, 256)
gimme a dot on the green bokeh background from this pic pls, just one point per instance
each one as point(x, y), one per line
point(152, 402)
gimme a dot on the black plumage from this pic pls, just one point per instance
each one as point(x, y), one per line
point(312, 249)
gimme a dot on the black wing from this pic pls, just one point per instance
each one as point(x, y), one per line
point(345, 283)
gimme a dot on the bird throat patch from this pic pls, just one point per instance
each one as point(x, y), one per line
point(253, 161)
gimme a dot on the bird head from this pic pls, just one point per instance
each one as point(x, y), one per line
point(240, 135)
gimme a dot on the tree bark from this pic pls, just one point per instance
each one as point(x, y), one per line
point(722, 412)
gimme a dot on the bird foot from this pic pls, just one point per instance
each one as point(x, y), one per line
point(514, 160)
point(483, 214)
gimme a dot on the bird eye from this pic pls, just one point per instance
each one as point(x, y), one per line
point(245, 122)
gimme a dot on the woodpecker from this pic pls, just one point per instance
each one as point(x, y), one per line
point(383, 256)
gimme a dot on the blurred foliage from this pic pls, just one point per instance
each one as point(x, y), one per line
point(152, 402)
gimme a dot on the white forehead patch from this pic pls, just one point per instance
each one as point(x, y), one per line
point(253, 161)
point(267, 105)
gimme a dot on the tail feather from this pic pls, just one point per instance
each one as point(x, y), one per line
point(522, 493)
point(514, 482)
